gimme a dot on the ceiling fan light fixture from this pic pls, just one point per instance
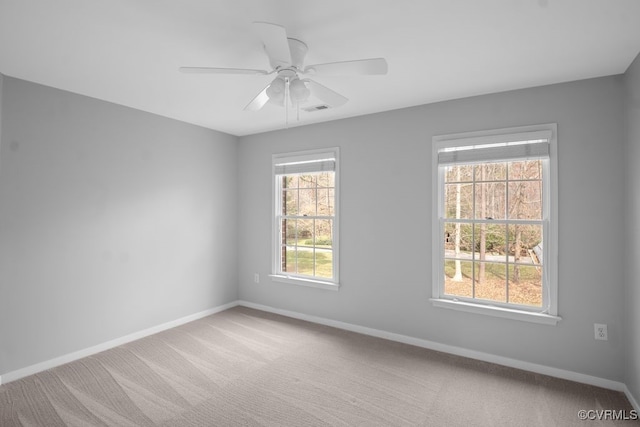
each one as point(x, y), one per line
point(275, 91)
point(299, 91)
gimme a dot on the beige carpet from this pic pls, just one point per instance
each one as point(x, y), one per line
point(246, 367)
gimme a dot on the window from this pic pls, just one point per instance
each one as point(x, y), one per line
point(494, 223)
point(305, 222)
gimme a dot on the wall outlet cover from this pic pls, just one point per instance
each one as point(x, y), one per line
point(600, 331)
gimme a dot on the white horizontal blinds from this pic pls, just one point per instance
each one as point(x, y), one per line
point(512, 147)
point(321, 162)
point(307, 167)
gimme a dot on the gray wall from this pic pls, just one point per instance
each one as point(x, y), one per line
point(386, 223)
point(112, 220)
point(632, 237)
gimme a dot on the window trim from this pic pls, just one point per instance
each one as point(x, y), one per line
point(549, 314)
point(329, 284)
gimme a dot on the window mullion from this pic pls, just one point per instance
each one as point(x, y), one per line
point(473, 232)
point(506, 242)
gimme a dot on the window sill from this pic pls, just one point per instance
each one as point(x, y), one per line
point(545, 319)
point(305, 282)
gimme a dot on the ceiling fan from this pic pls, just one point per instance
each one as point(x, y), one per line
point(286, 57)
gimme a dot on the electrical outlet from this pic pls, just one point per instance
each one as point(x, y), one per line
point(256, 278)
point(600, 331)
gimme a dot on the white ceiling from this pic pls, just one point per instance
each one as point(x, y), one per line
point(128, 51)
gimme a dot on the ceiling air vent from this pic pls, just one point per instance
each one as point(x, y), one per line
point(316, 108)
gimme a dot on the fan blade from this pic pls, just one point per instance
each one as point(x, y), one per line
point(325, 94)
point(274, 39)
point(348, 68)
point(212, 70)
point(259, 101)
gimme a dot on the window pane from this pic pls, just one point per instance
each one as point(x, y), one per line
point(305, 232)
point(323, 232)
point(459, 173)
point(491, 172)
point(489, 242)
point(464, 248)
point(458, 201)
point(307, 181)
point(307, 244)
point(289, 231)
point(325, 201)
point(307, 201)
point(324, 262)
point(458, 278)
point(525, 285)
point(491, 281)
point(530, 169)
point(525, 200)
point(332, 201)
point(490, 200)
point(525, 243)
point(290, 199)
point(325, 179)
point(290, 181)
point(291, 263)
point(305, 261)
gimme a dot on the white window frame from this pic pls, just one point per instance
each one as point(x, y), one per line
point(548, 314)
point(298, 160)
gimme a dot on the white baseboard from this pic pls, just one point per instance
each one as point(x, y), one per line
point(632, 399)
point(42, 366)
point(458, 351)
